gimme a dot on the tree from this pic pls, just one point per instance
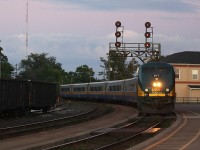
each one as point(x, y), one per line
point(5, 66)
point(132, 68)
point(105, 67)
point(116, 67)
point(84, 74)
point(43, 68)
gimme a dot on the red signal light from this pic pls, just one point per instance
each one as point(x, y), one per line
point(147, 45)
point(147, 24)
point(117, 34)
point(118, 24)
point(118, 44)
point(147, 34)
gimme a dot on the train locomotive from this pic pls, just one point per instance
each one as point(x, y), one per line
point(156, 88)
point(153, 91)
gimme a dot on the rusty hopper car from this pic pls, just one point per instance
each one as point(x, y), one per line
point(20, 96)
point(42, 95)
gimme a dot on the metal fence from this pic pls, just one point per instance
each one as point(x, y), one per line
point(188, 100)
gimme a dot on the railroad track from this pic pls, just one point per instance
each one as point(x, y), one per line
point(113, 138)
point(13, 131)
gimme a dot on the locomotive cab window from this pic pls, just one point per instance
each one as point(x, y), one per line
point(147, 70)
point(163, 69)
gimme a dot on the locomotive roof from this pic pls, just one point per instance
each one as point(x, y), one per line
point(156, 64)
point(186, 57)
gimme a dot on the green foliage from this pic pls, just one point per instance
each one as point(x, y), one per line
point(116, 67)
point(6, 67)
point(83, 74)
point(42, 68)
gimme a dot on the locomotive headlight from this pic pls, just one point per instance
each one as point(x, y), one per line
point(146, 90)
point(154, 84)
point(167, 90)
point(157, 84)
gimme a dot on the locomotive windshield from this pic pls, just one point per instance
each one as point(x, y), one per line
point(150, 70)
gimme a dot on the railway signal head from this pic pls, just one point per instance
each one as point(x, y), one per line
point(117, 44)
point(147, 24)
point(147, 34)
point(117, 34)
point(118, 24)
point(147, 45)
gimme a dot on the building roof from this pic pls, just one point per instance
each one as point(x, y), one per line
point(186, 57)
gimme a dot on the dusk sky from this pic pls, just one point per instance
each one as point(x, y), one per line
point(78, 32)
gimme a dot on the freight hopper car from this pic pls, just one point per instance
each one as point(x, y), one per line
point(120, 91)
point(156, 88)
point(20, 96)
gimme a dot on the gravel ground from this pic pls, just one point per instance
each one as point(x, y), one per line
point(42, 140)
point(65, 110)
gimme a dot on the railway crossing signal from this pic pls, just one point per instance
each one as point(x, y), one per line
point(146, 51)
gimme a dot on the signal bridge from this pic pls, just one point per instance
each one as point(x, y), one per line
point(136, 50)
point(147, 51)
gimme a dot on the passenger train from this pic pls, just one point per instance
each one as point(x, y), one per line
point(153, 91)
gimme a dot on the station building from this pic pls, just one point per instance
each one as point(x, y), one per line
point(187, 70)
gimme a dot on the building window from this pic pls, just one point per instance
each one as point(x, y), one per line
point(194, 74)
point(177, 73)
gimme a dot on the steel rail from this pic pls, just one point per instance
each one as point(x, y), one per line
point(94, 136)
point(128, 138)
point(40, 125)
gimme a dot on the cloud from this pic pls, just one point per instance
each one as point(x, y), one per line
point(177, 43)
point(72, 50)
point(118, 5)
point(78, 32)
